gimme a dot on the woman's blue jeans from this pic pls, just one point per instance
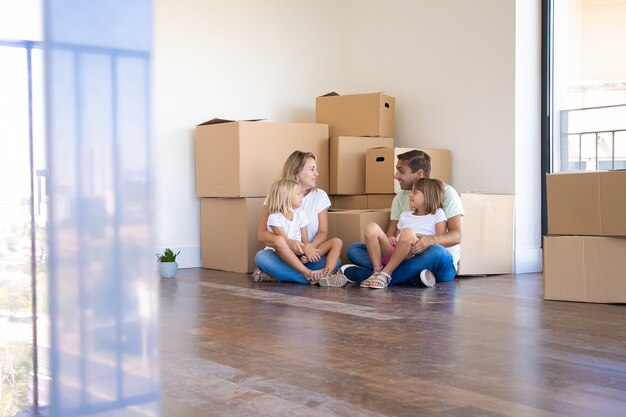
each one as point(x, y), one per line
point(269, 262)
point(436, 259)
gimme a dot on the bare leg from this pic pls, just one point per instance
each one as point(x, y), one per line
point(405, 240)
point(377, 244)
point(285, 253)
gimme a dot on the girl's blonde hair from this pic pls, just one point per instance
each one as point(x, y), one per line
point(295, 164)
point(279, 198)
point(433, 193)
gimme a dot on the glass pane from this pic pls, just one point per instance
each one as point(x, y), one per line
point(589, 88)
point(103, 293)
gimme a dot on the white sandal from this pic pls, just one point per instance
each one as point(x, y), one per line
point(378, 280)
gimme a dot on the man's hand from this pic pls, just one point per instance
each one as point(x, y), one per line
point(311, 253)
point(423, 242)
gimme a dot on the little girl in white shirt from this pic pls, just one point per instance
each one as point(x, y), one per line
point(427, 218)
point(285, 219)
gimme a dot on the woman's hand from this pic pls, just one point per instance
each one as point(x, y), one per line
point(296, 247)
point(312, 253)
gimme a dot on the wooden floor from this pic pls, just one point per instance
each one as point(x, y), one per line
point(485, 346)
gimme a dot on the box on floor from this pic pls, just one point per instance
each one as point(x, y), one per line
point(370, 114)
point(584, 268)
point(380, 167)
point(229, 233)
point(349, 225)
point(586, 203)
point(347, 162)
point(487, 226)
point(242, 159)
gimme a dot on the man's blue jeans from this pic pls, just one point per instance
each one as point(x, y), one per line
point(269, 262)
point(436, 259)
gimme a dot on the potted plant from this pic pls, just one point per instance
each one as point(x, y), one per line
point(166, 263)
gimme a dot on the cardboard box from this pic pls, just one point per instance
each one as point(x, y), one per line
point(586, 203)
point(369, 114)
point(228, 233)
point(584, 268)
point(380, 167)
point(242, 159)
point(347, 162)
point(350, 202)
point(349, 225)
point(487, 243)
point(379, 201)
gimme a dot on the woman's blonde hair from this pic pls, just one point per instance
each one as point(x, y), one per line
point(433, 193)
point(279, 198)
point(295, 164)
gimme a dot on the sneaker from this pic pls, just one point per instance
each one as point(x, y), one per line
point(427, 278)
point(348, 267)
point(336, 279)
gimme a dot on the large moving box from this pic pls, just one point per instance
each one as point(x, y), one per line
point(586, 203)
point(369, 114)
point(379, 201)
point(349, 225)
point(380, 167)
point(487, 242)
point(349, 202)
point(584, 268)
point(242, 159)
point(347, 162)
point(229, 233)
point(362, 201)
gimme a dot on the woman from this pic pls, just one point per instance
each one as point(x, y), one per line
point(281, 263)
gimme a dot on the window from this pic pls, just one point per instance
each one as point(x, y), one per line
point(586, 89)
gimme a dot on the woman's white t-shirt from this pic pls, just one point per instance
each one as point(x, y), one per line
point(313, 203)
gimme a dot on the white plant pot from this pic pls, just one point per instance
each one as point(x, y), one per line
point(167, 269)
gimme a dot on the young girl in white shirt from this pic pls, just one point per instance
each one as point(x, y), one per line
point(287, 220)
point(427, 218)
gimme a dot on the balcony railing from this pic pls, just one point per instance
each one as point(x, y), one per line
point(593, 138)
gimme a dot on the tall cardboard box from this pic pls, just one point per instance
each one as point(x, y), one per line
point(347, 162)
point(586, 203)
point(487, 243)
point(380, 167)
point(228, 233)
point(242, 159)
point(370, 114)
point(584, 268)
point(349, 225)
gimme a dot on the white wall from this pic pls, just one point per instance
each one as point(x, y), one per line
point(450, 64)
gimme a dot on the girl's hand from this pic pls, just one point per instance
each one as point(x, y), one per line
point(296, 247)
point(312, 253)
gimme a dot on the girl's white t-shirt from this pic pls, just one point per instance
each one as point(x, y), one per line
point(290, 227)
point(424, 224)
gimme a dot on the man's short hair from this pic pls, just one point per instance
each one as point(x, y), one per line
point(417, 160)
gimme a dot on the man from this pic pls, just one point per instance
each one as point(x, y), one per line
point(438, 254)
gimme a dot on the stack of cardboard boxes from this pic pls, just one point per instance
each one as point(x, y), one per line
point(236, 163)
point(585, 249)
point(356, 122)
